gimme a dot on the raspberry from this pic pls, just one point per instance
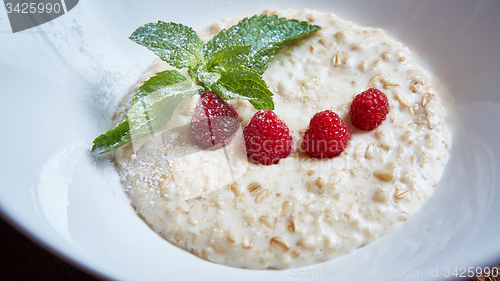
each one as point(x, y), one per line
point(327, 135)
point(369, 109)
point(214, 121)
point(267, 138)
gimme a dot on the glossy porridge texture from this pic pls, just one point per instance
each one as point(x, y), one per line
point(304, 211)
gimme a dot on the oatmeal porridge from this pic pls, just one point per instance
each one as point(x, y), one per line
point(303, 210)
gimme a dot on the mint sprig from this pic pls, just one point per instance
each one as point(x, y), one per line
point(231, 64)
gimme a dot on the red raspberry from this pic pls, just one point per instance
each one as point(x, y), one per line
point(267, 138)
point(214, 121)
point(327, 135)
point(369, 109)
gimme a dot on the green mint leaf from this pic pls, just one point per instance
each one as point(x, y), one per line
point(244, 83)
point(112, 139)
point(224, 93)
point(155, 83)
point(153, 111)
point(231, 64)
point(165, 84)
point(174, 43)
point(264, 34)
point(228, 57)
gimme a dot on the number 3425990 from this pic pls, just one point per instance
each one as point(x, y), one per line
point(33, 8)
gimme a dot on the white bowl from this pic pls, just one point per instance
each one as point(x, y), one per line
point(63, 80)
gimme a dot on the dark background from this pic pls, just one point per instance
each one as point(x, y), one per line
point(21, 259)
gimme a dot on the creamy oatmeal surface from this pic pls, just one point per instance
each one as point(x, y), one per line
point(303, 210)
